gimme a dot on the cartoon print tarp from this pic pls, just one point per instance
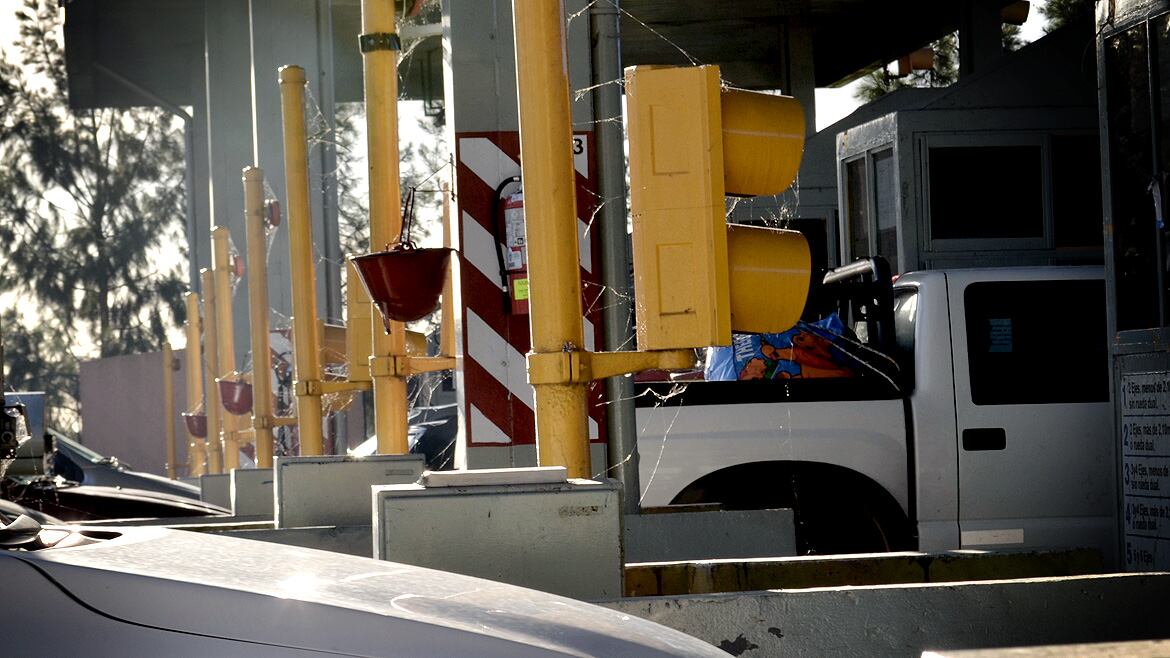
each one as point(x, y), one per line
point(806, 351)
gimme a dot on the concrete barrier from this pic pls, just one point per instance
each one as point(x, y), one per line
point(679, 533)
point(1141, 649)
point(215, 488)
point(524, 526)
point(335, 490)
point(905, 620)
point(722, 576)
point(251, 492)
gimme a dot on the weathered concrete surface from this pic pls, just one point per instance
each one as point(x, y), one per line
point(1146, 649)
point(716, 576)
point(709, 534)
point(905, 620)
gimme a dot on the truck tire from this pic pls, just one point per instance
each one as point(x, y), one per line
point(835, 510)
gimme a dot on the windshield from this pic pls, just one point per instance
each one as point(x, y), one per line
point(80, 450)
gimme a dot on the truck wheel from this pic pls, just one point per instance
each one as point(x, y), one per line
point(835, 510)
point(828, 522)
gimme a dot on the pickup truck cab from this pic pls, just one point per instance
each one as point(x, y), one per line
point(993, 430)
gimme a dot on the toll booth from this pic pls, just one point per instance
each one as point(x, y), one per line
point(999, 168)
point(1133, 68)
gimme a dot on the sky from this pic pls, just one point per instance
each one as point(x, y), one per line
point(8, 26)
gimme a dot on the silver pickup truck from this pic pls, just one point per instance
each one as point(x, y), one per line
point(979, 418)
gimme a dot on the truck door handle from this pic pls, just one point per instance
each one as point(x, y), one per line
point(984, 438)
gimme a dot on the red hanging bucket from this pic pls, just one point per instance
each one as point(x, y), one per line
point(196, 424)
point(404, 283)
point(236, 396)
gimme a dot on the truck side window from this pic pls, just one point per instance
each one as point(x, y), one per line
point(1037, 342)
point(905, 318)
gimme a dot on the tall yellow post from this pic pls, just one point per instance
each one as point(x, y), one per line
point(221, 269)
point(196, 446)
point(258, 308)
point(304, 286)
point(562, 433)
point(210, 368)
point(168, 359)
point(380, 45)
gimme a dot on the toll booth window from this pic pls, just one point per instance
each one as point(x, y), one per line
point(1037, 342)
point(857, 207)
point(986, 192)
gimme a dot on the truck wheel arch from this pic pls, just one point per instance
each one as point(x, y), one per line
point(836, 509)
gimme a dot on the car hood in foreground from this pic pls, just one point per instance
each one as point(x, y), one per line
point(280, 595)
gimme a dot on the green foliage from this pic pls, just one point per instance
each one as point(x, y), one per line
point(421, 163)
point(37, 358)
point(353, 208)
point(946, 71)
point(423, 168)
point(1012, 41)
point(1058, 13)
point(91, 214)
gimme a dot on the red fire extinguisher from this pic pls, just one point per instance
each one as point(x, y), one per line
point(513, 248)
point(516, 253)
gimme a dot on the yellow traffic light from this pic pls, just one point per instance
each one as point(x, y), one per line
point(691, 145)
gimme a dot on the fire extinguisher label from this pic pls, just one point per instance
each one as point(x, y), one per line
point(514, 256)
point(520, 290)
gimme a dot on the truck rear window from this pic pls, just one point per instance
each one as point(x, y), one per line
point(1037, 342)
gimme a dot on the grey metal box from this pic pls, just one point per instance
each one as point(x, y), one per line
point(215, 488)
point(251, 492)
point(528, 527)
point(335, 490)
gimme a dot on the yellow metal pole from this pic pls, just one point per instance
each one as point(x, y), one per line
point(300, 237)
point(447, 314)
point(258, 308)
point(562, 433)
point(168, 359)
point(379, 44)
point(196, 446)
point(210, 367)
point(221, 269)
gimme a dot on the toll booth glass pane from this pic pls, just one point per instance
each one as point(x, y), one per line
point(857, 210)
point(1130, 173)
point(1161, 31)
point(1076, 191)
point(885, 191)
point(986, 192)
